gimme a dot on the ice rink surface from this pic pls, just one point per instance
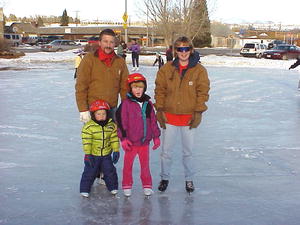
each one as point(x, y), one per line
point(246, 153)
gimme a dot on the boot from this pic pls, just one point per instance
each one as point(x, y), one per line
point(189, 186)
point(163, 185)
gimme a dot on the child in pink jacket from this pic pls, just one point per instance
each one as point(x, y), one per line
point(137, 126)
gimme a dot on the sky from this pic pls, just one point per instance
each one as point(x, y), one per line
point(228, 11)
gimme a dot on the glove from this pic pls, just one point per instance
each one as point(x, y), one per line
point(196, 119)
point(89, 160)
point(115, 158)
point(156, 142)
point(126, 144)
point(161, 118)
point(85, 116)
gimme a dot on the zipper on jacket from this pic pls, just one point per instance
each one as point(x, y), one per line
point(102, 141)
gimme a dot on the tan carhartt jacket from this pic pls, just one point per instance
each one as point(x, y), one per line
point(182, 94)
point(95, 80)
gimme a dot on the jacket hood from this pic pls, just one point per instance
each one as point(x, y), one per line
point(193, 60)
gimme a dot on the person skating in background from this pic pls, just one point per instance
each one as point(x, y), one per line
point(77, 60)
point(137, 126)
point(121, 50)
point(101, 75)
point(180, 93)
point(99, 139)
point(297, 63)
point(158, 60)
point(169, 54)
point(135, 52)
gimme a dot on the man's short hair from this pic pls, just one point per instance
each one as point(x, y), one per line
point(107, 32)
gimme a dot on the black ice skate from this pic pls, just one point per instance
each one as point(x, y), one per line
point(163, 185)
point(189, 186)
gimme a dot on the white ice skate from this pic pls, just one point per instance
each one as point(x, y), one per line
point(148, 192)
point(127, 192)
point(85, 194)
point(114, 192)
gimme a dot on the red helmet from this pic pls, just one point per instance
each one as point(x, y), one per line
point(136, 77)
point(99, 104)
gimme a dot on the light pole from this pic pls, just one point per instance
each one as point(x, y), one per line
point(147, 25)
point(125, 22)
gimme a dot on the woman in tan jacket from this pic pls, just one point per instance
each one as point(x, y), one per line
point(181, 91)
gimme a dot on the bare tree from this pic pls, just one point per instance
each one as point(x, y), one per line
point(173, 18)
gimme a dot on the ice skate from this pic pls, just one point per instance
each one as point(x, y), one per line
point(85, 194)
point(163, 185)
point(148, 192)
point(137, 69)
point(100, 181)
point(189, 186)
point(133, 69)
point(127, 192)
point(114, 192)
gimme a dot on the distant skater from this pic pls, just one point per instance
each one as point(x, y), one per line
point(135, 52)
point(159, 60)
point(297, 63)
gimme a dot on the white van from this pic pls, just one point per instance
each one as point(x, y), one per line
point(13, 39)
point(253, 49)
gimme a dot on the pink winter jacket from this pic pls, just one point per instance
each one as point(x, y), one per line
point(139, 129)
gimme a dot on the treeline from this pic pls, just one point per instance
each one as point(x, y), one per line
point(41, 20)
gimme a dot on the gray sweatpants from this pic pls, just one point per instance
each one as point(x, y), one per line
point(170, 137)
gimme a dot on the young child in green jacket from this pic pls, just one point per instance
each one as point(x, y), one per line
point(99, 139)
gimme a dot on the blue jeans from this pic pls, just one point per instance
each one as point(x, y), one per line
point(170, 137)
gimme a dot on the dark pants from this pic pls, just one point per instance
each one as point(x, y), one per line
point(135, 59)
point(75, 73)
point(103, 163)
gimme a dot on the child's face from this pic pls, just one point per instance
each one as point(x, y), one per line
point(100, 115)
point(137, 89)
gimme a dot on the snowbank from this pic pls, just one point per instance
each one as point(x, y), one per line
point(38, 59)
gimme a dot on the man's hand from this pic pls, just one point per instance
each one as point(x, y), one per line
point(196, 120)
point(85, 116)
point(161, 118)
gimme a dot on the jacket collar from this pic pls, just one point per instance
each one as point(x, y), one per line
point(144, 98)
point(193, 60)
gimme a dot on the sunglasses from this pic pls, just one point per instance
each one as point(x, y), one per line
point(183, 49)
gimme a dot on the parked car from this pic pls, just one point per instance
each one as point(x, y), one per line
point(48, 39)
point(283, 52)
point(93, 40)
point(275, 43)
point(13, 39)
point(253, 49)
point(31, 40)
point(81, 41)
point(59, 45)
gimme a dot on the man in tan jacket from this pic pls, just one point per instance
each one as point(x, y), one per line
point(101, 75)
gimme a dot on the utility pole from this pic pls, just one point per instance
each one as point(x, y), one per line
point(147, 43)
point(125, 17)
point(76, 17)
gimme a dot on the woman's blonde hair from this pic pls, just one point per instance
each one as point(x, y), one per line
point(184, 40)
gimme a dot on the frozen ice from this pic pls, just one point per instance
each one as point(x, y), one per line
point(247, 149)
